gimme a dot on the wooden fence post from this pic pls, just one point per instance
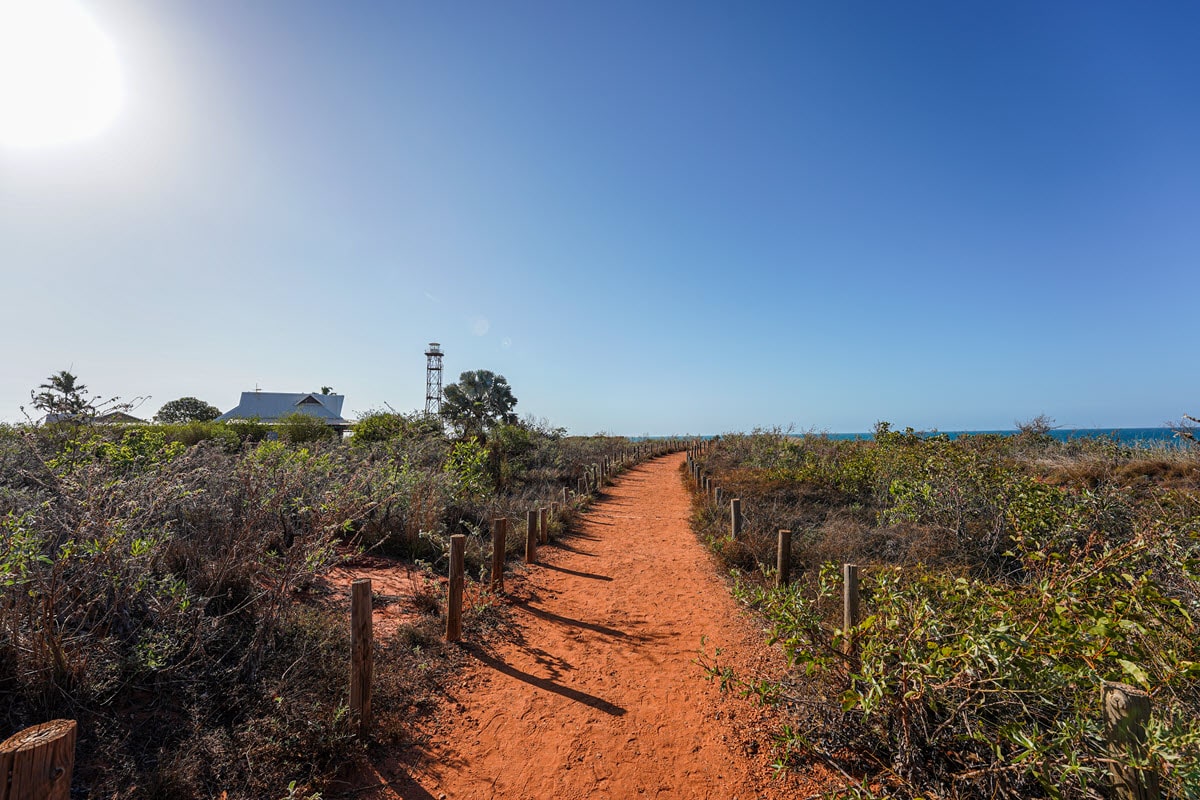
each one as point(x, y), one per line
point(499, 543)
point(735, 518)
point(458, 548)
point(783, 559)
point(362, 655)
point(544, 525)
point(849, 607)
point(40, 761)
point(531, 538)
point(564, 496)
point(1126, 712)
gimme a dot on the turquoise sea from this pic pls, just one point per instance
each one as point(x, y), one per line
point(1157, 437)
point(1148, 437)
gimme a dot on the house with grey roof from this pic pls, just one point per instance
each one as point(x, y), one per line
point(270, 407)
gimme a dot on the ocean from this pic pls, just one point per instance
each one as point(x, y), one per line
point(1145, 437)
point(1150, 437)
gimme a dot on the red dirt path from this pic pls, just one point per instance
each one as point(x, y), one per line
point(597, 692)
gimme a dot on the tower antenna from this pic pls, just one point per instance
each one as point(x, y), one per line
point(433, 379)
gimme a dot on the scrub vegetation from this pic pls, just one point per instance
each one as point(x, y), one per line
point(1002, 580)
point(162, 585)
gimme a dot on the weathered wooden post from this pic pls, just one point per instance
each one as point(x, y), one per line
point(543, 525)
point(531, 538)
point(554, 510)
point(783, 559)
point(849, 607)
point(1126, 712)
point(565, 499)
point(499, 542)
point(582, 485)
point(458, 548)
point(36, 763)
point(735, 518)
point(362, 655)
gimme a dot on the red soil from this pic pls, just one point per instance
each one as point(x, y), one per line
point(597, 692)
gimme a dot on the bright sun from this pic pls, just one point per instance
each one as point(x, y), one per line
point(60, 80)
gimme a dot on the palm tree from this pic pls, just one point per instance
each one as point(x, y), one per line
point(63, 395)
point(479, 401)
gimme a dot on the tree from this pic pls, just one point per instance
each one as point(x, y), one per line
point(62, 396)
point(187, 409)
point(325, 390)
point(479, 401)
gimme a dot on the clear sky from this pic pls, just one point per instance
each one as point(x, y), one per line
point(649, 216)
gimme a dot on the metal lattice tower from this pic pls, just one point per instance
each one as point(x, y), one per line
point(433, 379)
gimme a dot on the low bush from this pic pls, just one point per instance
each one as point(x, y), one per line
point(161, 584)
point(1002, 581)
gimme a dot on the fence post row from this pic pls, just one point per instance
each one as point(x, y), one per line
point(36, 763)
point(499, 542)
point(1126, 712)
point(361, 653)
point(458, 547)
point(849, 608)
point(531, 538)
point(735, 518)
point(783, 559)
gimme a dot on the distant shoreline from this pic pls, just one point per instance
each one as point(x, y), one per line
point(1157, 437)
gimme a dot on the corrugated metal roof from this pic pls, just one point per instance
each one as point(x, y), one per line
point(271, 406)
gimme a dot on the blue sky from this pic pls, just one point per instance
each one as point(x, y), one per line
point(650, 217)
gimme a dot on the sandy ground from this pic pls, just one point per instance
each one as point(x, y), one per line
point(595, 691)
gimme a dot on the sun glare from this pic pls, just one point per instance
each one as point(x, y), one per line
point(60, 80)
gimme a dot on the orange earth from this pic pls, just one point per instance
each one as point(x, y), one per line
point(596, 690)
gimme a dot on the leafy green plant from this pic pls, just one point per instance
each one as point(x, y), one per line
point(977, 677)
point(298, 428)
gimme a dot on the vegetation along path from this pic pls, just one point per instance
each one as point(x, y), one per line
point(596, 691)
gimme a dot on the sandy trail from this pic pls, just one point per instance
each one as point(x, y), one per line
point(597, 692)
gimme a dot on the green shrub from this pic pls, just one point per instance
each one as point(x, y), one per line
point(297, 428)
point(249, 430)
point(378, 426)
point(169, 597)
point(1048, 568)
